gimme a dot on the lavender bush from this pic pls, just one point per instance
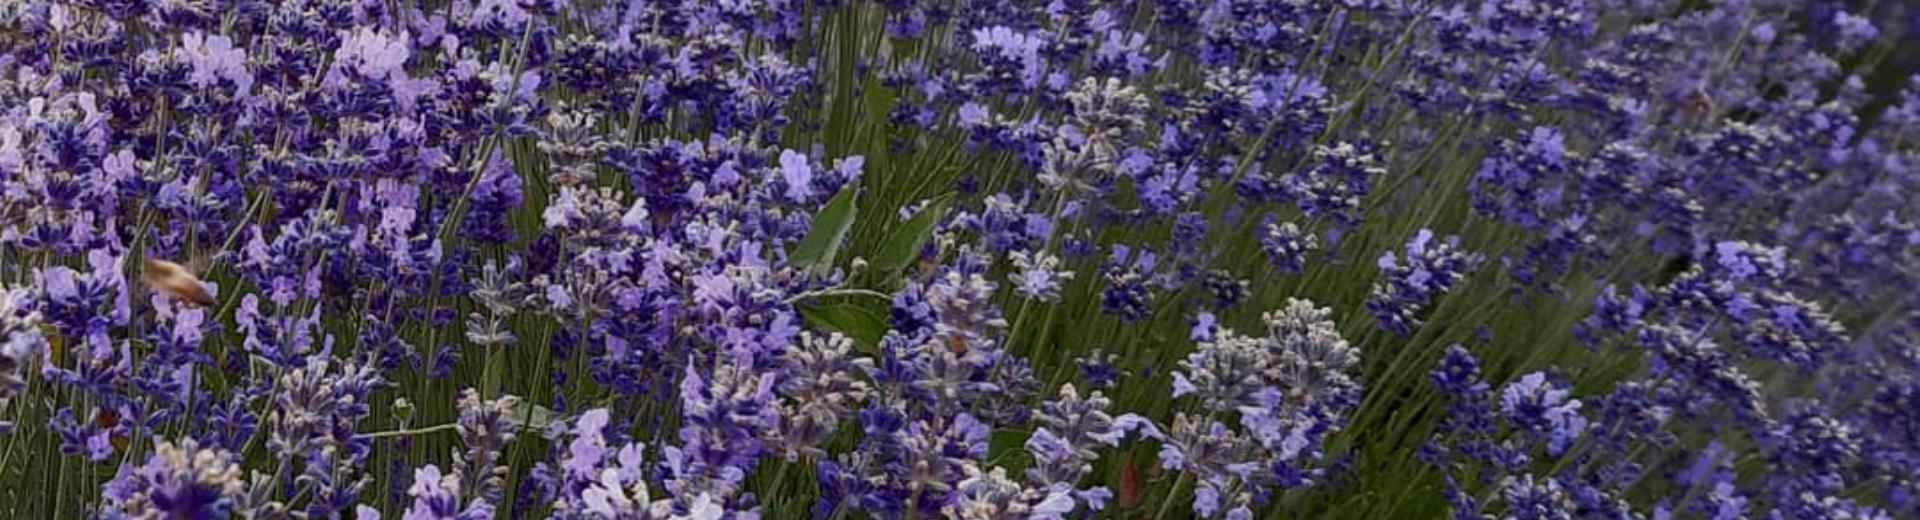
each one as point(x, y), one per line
point(1528, 259)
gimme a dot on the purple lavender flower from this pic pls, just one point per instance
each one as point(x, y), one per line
point(316, 412)
point(602, 479)
point(1127, 294)
point(1225, 289)
point(1536, 499)
point(723, 414)
point(486, 428)
point(21, 343)
point(1286, 245)
point(373, 54)
point(179, 480)
point(797, 175)
point(1291, 388)
point(989, 494)
point(1013, 57)
point(1854, 30)
point(1334, 186)
point(1074, 427)
point(1535, 403)
point(1038, 276)
point(820, 389)
point(435, 496)
point(1427, 270)
point(496, 193)
point(1520, 182)
point(214, 58)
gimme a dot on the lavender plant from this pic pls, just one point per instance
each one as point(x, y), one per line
point(967, 259)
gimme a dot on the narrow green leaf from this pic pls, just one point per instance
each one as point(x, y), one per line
point(878, 100)
point(829, 231)
point(1006, 448)
point(903, 243)
point(863, 318)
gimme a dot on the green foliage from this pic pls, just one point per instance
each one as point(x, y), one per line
point(861, 316)
point(817, 250)
point(903, 244)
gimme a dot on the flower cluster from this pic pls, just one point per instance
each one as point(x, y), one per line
point(1271, 402)
point(21, 343)
point(1427, 270)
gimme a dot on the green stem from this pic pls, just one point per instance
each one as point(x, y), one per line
point(407, 433)
point(836, 292)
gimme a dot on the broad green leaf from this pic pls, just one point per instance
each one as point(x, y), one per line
point(903, 243)
point(529, 416)
point(829, 231)
point(863, 318)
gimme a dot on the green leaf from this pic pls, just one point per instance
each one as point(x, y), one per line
point(529, 416)
point(1007, 448)
point(878, 102)
point(863, 318)
point(829, 231)
point(903, 244)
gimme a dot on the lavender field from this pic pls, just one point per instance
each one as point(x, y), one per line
point(966, 259)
